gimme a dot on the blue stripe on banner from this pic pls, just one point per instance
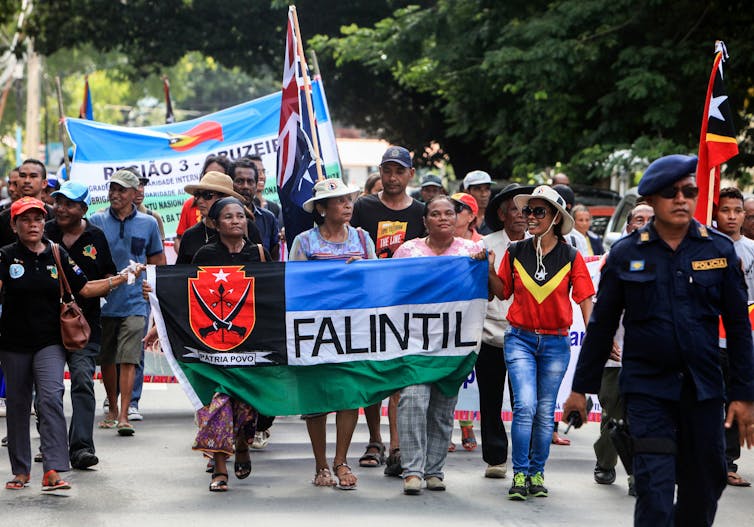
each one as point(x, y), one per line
point(378, 283)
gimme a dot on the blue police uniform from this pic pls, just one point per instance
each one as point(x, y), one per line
point(671, 377)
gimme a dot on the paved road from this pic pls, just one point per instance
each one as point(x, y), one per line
point(154, 478)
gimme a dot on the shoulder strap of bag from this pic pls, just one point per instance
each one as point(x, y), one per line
point(363, 241)
point(62, 279)
point(261, 253)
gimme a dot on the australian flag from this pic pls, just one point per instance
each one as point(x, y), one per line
point(296, 166)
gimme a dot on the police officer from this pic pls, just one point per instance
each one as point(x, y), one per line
point(673, 278)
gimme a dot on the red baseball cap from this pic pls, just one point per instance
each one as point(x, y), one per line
point(26, 203)
point(467, 200)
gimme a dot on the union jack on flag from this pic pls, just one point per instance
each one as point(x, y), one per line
point(296, 165)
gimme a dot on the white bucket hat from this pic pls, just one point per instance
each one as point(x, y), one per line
point(329, 188)
point(551, 196)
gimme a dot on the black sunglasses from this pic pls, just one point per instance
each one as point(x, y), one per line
point(205, 194)
point(688, 191)
point(539, 212)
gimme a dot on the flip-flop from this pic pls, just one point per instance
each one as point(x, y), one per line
point(125, 429)
point(221, 485)
point(242, 468)
point(323, 478)
point(734, 480)
point(107, 424)
point(347, 471)
point(16, 484)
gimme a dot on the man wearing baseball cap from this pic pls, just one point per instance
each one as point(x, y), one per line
point(671, 280)
point(391, 217)
point(478, 183)
point(87, 246)
point(135, 236)
point(431, 186)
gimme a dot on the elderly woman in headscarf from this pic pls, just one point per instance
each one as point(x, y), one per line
point(541, 273)
point(332, 239)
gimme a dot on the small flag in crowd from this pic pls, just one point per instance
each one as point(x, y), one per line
point(86, 111)
point(297, 167)
point(717, 141)
point(169, 117)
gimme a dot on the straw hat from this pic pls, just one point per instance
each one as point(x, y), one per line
point(328, 188)
point(551, 196)
point(214, 182)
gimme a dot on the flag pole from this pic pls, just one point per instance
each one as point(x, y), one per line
point(711, 195)
point(61, 126)
point(307, 94)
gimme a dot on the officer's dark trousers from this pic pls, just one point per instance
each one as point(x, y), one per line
point(698, 467)
point(81, 364)
point(490, 376)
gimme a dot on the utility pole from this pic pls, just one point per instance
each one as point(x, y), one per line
point(31, 145)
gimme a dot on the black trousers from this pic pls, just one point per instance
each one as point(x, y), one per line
point(490, 375)
point(698, 467)
point(732, 446)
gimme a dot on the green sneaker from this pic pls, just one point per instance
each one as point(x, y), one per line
point(518, 490)
point(537, 485)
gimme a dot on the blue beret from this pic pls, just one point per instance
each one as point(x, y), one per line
point(665, 171)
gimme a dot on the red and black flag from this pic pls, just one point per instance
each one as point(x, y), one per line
point(717, 140)
point(169, 117)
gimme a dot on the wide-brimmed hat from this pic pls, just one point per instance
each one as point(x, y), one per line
point(214, 182)
point(548, 194)
point(490, 214)
point(329, 188)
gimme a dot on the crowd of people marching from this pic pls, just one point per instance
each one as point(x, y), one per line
point(534, 240)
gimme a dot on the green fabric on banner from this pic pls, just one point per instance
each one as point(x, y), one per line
point(312, 389)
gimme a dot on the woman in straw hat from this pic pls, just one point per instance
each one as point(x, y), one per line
point(212, 187)
point(332, 239)
point(540, 273)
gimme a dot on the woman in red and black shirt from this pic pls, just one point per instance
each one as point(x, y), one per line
point(541, 273)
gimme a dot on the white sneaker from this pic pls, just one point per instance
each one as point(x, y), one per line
point(495, 471)
point(134, 415)
point(2, 406)
point(261, 440)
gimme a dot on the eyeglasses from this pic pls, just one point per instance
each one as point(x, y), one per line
point(539, 212)
point(205, 194)
point(688, 191)
point(460, 207)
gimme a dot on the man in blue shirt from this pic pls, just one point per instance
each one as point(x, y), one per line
point(672, 280)
point(135, 236)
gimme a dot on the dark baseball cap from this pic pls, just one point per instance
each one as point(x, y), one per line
point(397, 154)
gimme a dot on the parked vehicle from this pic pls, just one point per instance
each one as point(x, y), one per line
point(617, 223)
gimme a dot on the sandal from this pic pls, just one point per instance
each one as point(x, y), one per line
point(242, 468)
point(17, 483)
point(734, 480)
point(393, 464)
point(220, 485)
point(210, 466)
point(451, 447)
point(373, 459)
point(125, 429)
point(323, 478)
point(107, 424)
point(340, 475)
point(560, 441)
point(53, 481)
point(468, 440)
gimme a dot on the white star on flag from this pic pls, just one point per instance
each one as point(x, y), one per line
point(221, 276)
point(714, 107)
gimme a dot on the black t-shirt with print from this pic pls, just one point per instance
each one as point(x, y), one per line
point(92, 254)
point(31, 310)
point(387, 227)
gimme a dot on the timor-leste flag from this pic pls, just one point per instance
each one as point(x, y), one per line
point(717, 140)
point(308, 337)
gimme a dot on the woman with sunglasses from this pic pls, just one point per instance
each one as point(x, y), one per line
point(212, 187)
point(541, 273)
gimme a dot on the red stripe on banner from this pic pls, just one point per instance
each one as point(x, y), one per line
point(466, 415)
point(165, 379)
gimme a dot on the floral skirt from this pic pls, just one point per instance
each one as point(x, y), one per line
point(221, 422)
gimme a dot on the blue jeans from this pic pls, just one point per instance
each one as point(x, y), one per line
point(536, 366)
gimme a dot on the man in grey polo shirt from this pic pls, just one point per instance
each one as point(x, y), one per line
point(135, 236)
